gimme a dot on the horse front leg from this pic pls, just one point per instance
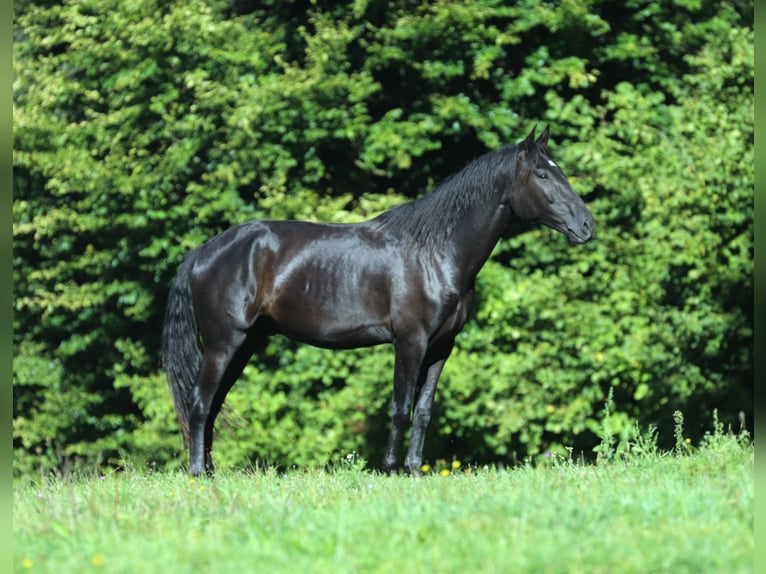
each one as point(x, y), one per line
point(422, 412)
point(409, 356)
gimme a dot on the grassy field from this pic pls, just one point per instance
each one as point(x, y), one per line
point(646, 512)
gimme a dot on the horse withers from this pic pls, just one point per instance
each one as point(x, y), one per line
point(405, 277)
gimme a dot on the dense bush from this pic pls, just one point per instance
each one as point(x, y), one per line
point(143, 127)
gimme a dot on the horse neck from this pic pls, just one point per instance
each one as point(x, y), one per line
point(473, 242)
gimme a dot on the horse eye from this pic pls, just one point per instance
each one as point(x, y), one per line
point(542, 175)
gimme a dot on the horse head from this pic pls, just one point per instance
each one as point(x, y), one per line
point(542, 194)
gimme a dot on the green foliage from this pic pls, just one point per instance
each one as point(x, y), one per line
point(143, 127)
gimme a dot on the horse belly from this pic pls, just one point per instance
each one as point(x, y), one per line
point(336, 326)
point(336, 336)
point(332, 312)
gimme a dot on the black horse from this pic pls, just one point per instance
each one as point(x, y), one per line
point(405, 277)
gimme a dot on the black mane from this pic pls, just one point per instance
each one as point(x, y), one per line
point(434, 216)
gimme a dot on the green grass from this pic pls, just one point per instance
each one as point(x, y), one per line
point(643, 513)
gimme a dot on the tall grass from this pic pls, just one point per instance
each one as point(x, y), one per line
point(639, 511)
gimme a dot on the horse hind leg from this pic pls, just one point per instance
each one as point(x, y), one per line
point(206, 397)
point(237, 364)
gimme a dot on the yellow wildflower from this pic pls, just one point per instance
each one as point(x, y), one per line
point(425, 468)
point(455, 464)
point(97, 560)
point(26, 563)
point(444, 472)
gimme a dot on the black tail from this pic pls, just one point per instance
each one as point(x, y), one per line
point(181, 353)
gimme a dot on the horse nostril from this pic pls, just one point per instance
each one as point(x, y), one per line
point(587, 228)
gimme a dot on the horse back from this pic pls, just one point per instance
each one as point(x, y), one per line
point(326, 284)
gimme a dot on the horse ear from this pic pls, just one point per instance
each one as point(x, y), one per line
point(531, 137)
point(525, 147)
point(543, 139)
